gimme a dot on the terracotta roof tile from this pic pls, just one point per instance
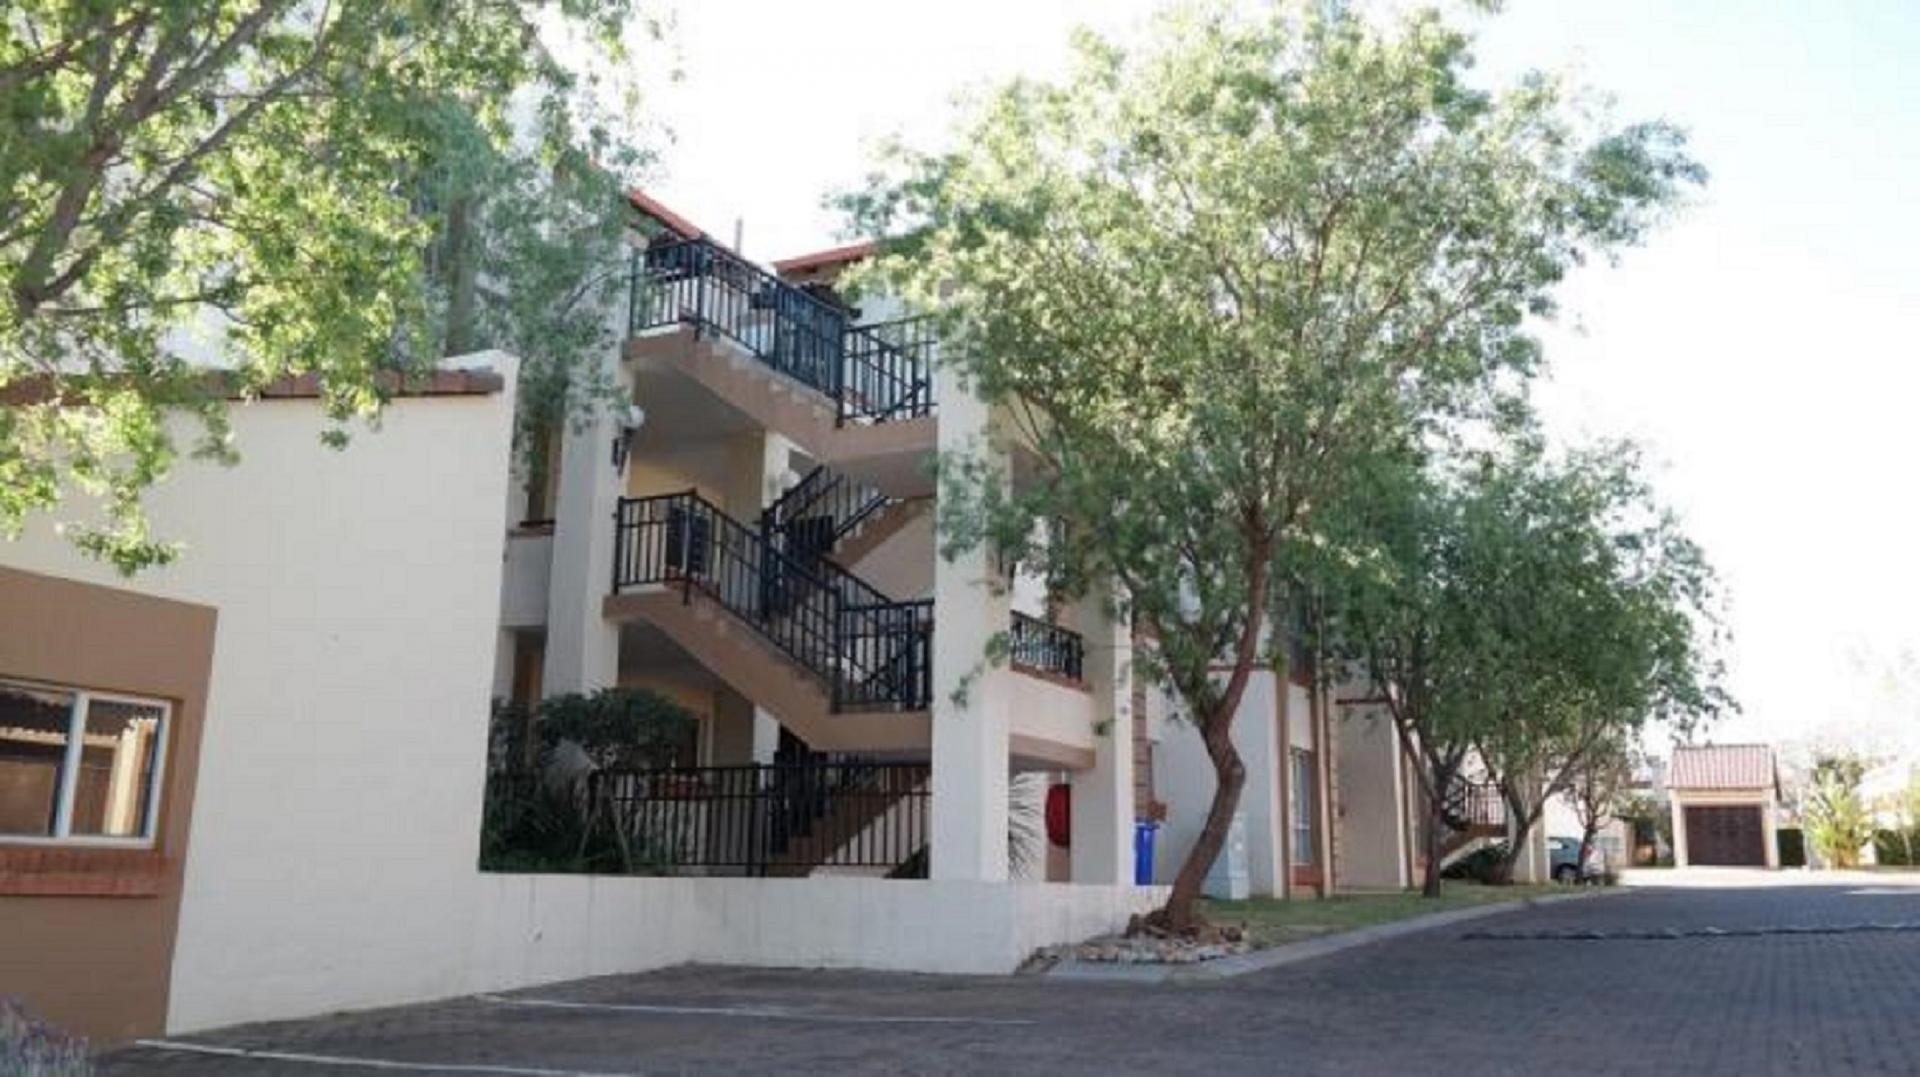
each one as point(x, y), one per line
point(852, 252)
point(476, 381)
point(659, 211)
point(1722, 766)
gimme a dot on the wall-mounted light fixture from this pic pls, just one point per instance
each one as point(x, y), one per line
point(630, 423)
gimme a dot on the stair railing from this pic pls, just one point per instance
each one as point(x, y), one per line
point(873, 652)
point(812, 516)
point(1469, 804)
point(786, 816)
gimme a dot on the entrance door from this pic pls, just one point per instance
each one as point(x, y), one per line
point(1726, 836)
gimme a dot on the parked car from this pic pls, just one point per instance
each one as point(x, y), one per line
point(1563, 860)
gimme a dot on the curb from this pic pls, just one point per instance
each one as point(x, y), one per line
point(1225, 968)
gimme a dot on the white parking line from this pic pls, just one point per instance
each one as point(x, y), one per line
point(366, 1063)
point(769, 1013)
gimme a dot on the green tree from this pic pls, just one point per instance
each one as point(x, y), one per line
point(256, 172)
point(1595, 616)
point(1398, 617)
point(1206, 279)
point(540, 817)
point(1906, 811)
point(531, 257)
point(1517, 609)
point(1600, 788)
point(1837, 821)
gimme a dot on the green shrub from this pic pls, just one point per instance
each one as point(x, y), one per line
point(1895, 847)
point(1481, 866)
point(537, 819)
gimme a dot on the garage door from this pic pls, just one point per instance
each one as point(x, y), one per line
point(1728, 836)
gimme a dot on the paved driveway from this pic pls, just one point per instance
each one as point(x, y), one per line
point(1757, 1002)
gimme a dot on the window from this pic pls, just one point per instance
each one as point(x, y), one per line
point(1301, 793)
point(78, 765)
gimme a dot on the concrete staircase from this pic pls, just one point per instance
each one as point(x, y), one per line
point(759, 670)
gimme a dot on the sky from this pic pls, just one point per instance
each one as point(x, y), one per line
point(1764, 346)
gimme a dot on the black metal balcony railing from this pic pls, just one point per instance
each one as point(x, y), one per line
point(874, 373)
point(889, 372)
point(1035, 645)
point(873, 652)
point(811, 518)
point(781, 818)
point(1471, 805)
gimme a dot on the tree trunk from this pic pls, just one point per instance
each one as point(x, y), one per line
point(462, 278)
point(1230, 776)
point(1523, 825)
point(1436, 818)
point(1216, 732)
point(1589, 829)
point(1502, 871)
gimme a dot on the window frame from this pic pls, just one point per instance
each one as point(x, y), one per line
point(1303, 795)
point(68, 786)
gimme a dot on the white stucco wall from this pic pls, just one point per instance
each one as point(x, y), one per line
point(1183, 777)
point(1371, 809)
point(335, 827)
point(531, 929)
point(526, 581)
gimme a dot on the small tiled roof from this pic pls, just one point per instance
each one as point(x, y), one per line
point(659, 211)
point(852, 252)
point(1722, 766)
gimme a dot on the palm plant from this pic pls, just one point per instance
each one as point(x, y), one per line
point(1838, 823)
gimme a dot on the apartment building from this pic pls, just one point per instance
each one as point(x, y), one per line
point(755, 538)
point(249, 785)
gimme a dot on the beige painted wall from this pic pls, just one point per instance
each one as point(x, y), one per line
point(87, 934)
point(1371, 811)
point(902, 566)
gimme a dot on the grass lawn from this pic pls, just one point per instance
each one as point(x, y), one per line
point(1270, 922)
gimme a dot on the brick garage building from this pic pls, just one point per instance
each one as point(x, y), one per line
point(1724, 800)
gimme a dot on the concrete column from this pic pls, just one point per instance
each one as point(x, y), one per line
point(757, 463)
point(970, 731)
point(1326, 759)
point(1103, 809)
point(730, 741)
point(1769, 831)
point(766, 735)
point(1679, 833)
point(583, 647)
point(1281, 780)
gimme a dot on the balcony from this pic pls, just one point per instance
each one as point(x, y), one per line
point(871, 374)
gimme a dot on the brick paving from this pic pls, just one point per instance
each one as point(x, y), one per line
point(1431, 1002)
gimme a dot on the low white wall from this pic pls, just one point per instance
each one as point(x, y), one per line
point(526, 930)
